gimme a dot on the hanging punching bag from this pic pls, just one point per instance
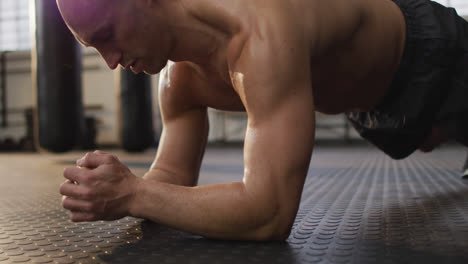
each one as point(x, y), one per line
point(136, 115)
point(57, 77)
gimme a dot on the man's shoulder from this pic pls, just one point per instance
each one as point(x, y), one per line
point(188, 85)
point(175, 74)
point(175, 84)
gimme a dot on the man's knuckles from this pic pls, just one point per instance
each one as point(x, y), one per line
point(91, 207)
point(70, 173)
point(84, 161)
point(82, 216)
point(110, 159)
point(64, 189)
point(67, 188)
point(106, 157)
point(82, 206)
point(79, 175)
point(86, 194)
point(87, 178)
point(70, 190)
point(69, 204)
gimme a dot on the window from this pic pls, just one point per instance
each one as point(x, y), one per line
point(14, 25)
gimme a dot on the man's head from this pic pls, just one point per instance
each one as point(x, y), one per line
point(126, 32)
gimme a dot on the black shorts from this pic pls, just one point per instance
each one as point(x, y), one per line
point(430, 87)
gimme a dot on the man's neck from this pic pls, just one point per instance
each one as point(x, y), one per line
point(199, 29)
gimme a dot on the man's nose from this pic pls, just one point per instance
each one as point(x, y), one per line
point(112, 58)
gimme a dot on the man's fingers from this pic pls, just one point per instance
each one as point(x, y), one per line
point(76, 174)
point(77, 216)
point(76, 205)
point(93, 160)
point(76, 191)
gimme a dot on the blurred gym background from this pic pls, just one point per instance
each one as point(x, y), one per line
point(97, 104)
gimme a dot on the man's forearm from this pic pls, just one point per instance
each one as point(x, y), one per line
point(166, 176)
point(223, 211)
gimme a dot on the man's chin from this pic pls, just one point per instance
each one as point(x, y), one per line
point(147, 71)
point(155, 70)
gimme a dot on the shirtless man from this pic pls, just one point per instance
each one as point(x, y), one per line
point(280, 61)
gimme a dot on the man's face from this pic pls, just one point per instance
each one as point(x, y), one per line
point(121, 30)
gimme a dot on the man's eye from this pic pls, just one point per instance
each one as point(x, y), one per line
point(104, 35)
point(107, 37)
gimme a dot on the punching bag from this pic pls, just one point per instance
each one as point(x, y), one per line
point(136, 115)
point(59, 120)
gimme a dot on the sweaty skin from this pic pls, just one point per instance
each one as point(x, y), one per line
point(280, 61)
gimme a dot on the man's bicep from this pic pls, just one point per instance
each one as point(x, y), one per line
point(185, 131)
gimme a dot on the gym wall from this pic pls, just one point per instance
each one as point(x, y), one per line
point(99, 95)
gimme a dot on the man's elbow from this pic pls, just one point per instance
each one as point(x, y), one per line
point(278, 228)
point(277, 234)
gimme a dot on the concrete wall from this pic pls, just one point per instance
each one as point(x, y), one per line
point(99, 95)
point(19, 94)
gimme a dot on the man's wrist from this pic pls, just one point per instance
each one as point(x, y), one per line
point(137, 200)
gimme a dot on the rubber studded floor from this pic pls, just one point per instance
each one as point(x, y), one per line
point(358, 206)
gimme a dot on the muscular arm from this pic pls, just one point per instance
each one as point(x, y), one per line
point(278, 147)
point(185, 129)
point(271, 76)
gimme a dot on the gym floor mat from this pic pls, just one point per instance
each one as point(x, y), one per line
point(358, 206)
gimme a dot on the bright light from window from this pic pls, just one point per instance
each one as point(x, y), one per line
point(14, 25)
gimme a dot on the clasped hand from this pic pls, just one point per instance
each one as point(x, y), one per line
point(99, 188)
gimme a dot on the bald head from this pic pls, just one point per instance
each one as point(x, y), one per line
point(76, 12)
point(82, 16)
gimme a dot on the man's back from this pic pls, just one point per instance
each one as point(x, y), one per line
point(360, 45)
point(354, 45)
